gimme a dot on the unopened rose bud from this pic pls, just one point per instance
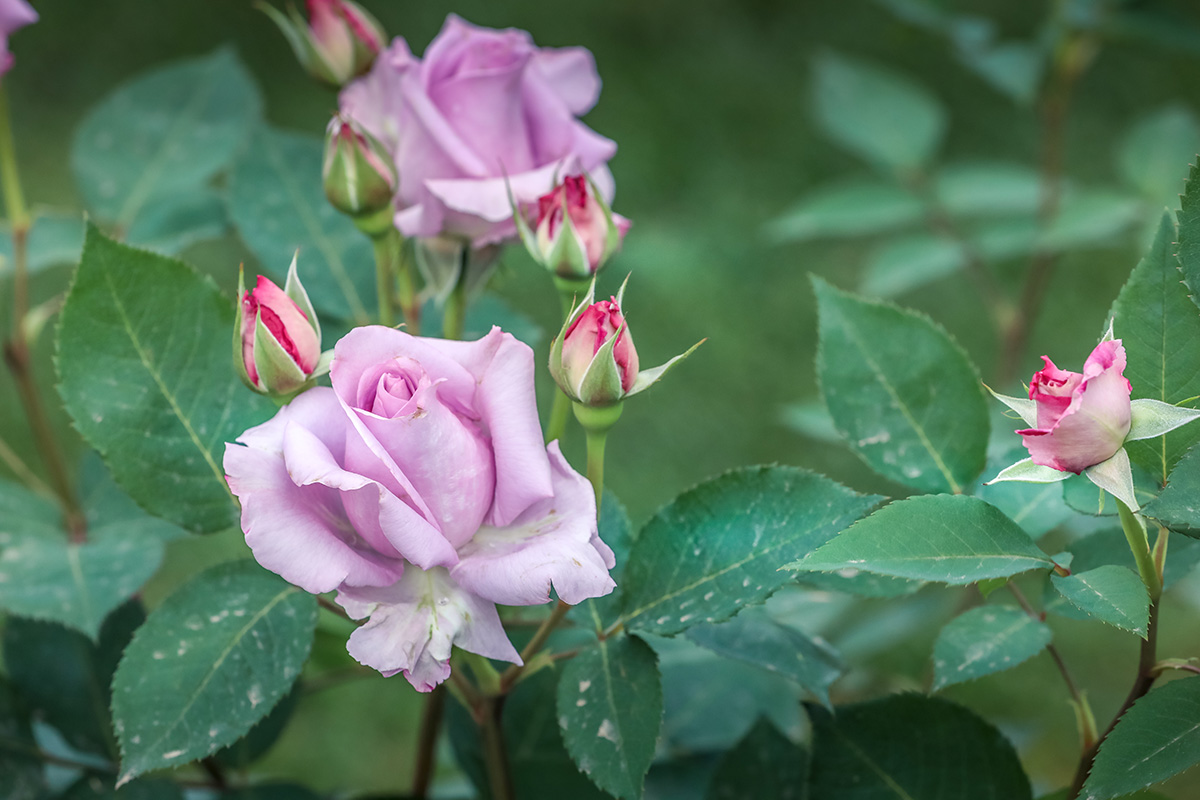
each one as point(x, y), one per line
point(360, 178)
point(1082, 418)
point(593, 359)
point(575, 232)
point(277, 339)
point(338, 42)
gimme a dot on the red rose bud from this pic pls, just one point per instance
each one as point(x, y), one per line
point(277, 340)
point(359, 176)
point(575, 232)
point(337, 43)
point(593, 359)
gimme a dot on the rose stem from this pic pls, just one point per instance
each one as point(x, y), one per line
point(1147, 669)
point(22, 471)
point(454, 319)
point(406, 286)
point(16, 349)
point(431, 721)
point(1070, 62)
point(383, 277)
point(1088, 733)
point(495, 753)
point(556, 427)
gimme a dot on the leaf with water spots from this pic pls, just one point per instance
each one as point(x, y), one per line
point(1156, 739)
point(1109, 593)
point(277, 203)
point(718, 547)
point(911, 747)
point(901, 392)
point(952, 539)
point(754, 637)
point(163, 135)
point(46, 574)
point(985, 640)
point(765, 765)
point(209, 663)
point(144, 371)
point(610, 708)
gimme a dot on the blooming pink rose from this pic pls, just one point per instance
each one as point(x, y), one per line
point(14, 14)
point(1082, 419)
point(419, 488)
point(483, 107)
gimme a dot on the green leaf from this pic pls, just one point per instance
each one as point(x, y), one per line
point(1037, 507)
point(986, 640)
point(610, 708)
point(1160, 329)
point(164, 134)
point(755, 638)
point(277, 202)
point(1090, 218)
point(1157, 738)
point(718, 547)
point(174, 223)
point(209, 663)
point(94, 787)
point(911, 747)
point(616, 531)
point(1111, 594)
point(901, 391)
point(46, 575)
point(1014, 68)
point(907, 262)
point(55, 238)
point(65, 677)
point(1156, 150)
point(21, 774)
point(810, 418)
point(765, 765)
point(857, 208)
point(875, 113)
point(711, 702)
point(144, 371)
point(988, 189)
point(262, 737)
point(538, 762)
point(1178, 507)
point(951, 539)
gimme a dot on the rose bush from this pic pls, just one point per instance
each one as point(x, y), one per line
point(483, 107)
point(1082, 418)
point(419, 488)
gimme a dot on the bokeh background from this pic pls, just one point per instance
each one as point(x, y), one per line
point(709, 101)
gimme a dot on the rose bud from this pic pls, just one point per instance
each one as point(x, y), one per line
point(575, 232)
point(593, 359)
point(1082, 419)
point(338, 42)
point(360, 178)
point(277, 339)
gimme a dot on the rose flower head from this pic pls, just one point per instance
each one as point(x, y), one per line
point(276, 338)
point(482, 111)
point(419, 488)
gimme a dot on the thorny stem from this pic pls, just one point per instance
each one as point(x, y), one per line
point(1077, 696)
point(431, 721)
point(22, 471)
point(16, 349)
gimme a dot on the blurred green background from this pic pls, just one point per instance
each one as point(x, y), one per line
point(709, 103)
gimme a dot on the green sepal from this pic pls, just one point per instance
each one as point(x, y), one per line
point(601, 381)
point(294, 289)
point(278, 374)
point(1027, 471)
point(556, 366)
point(1153, 418)
point(239, 361)
point(296, 31)
point(1026, 409)
point(568, 256)
point(648, 377)
point(1115, 476)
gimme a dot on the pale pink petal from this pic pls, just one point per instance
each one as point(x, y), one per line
point(415, 623)
point(554, 543)
point(571, 73)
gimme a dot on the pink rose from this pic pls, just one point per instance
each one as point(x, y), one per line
point(419, 488)
point(592, 377)
point(14, 14)
point(575, 233)
point(278, 343)
point(483, 106)
point(1082, 419)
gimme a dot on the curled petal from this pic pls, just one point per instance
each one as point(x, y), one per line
point(415, 622)
point(553, 543)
